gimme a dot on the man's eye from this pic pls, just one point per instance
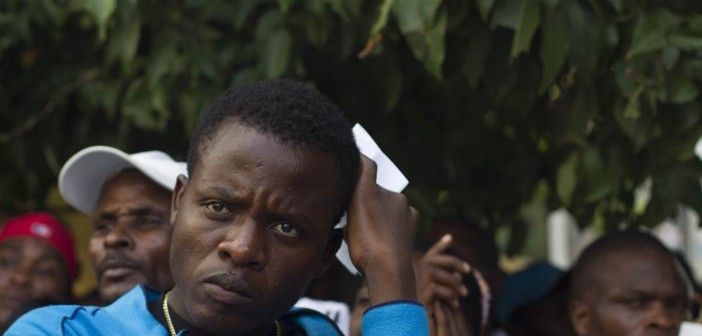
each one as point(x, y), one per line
point(100, 226)
point(215, 207)
point(148, 222)
point(286, 229)
point(634, 303)
point(7, 261)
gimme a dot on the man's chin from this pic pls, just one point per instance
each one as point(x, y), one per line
point(111, 292)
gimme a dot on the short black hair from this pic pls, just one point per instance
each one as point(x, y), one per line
point(592, 257)
point(294, 113)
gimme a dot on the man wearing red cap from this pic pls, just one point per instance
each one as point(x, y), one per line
point(37, 265)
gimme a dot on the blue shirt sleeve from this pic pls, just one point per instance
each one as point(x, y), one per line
point(395, 318)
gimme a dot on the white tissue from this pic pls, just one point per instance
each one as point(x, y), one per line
point(388, 177)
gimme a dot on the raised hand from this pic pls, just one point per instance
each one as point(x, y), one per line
point(380, 232)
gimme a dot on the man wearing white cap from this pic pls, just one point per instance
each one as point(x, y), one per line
point(129, 200)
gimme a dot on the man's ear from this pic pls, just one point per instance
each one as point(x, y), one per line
point(580, 316)
point(335, 238)
point(181, 184)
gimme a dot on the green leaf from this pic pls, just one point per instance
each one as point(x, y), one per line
point(476, 53)
point(123, 45)
point(243, 10)
point(567, 179)
point(270, 22)
point(685, 42)
point(670, 57)
point(160, 61)
point(484, 7)
point(101, 10)
point(276, 53)
point(139, 107)
point(435, 41)
point(382, 19)
point(285, 5)
point(529, 18)
point(415, 16)
point(554, 48)
point(651, 30)
point(682, 91)
point(633, 105)
point(617, 5)
point(550, 4)
point(506, 13)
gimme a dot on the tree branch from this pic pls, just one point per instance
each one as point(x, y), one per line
point(49, 107)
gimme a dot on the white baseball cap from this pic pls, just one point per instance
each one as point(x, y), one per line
point(83, 175)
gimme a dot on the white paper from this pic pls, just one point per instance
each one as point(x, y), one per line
point(388, 177)
point(690, 329)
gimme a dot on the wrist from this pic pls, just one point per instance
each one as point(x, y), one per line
point(390, 279)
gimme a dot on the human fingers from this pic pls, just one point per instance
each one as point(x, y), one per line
point(441, 245)
point(435, 292)
point(448, 262)
point(440, 320)
point(445, 278)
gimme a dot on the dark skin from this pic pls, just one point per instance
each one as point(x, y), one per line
point(31, 271)
point(632, 292)
point(440, 286)
point(255, 223)
point(131, 235)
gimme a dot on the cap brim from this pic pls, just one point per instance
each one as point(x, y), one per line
point(83, 175)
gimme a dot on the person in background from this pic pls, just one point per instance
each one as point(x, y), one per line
point(628, 283)
point(473, 244)
point(456, 295)
point(128, 197)
point(37, 265)
point(534, 301)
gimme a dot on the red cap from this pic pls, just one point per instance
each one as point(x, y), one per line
point(47, 228)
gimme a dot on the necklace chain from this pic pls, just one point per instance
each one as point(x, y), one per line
point(166, 312)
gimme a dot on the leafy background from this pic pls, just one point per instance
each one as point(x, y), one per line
point(496, 110)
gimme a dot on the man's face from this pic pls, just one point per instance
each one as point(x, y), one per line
point(131, 235)
point(32, 273)
point(253, 225)
point(638, 293)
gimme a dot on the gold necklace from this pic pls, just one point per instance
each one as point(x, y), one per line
point(168, 315)
point(172, 329)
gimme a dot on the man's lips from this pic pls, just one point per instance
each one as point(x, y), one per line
point(229, 289)
point(116, 267)
point(118, 272)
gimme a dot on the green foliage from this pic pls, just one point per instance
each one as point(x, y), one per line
point(498, 110)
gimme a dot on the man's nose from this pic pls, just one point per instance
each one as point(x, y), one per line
point(244, 245)
point(21, 276)
point(119, 236)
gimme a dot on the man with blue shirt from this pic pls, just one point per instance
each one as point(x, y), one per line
point(272, 167)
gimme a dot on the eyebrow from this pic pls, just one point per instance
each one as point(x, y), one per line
point(232, 197)
point(134, 212)
point(10, 247)
point(650, 294)
point(224, 192)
